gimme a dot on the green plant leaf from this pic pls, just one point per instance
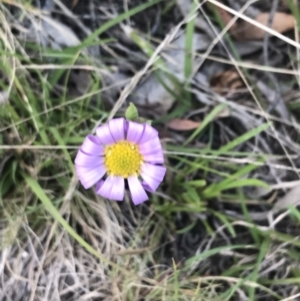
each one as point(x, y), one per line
point(131, 112)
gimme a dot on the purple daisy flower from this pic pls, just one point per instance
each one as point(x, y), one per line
point(121, 150)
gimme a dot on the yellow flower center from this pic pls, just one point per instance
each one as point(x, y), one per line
point(123, 159)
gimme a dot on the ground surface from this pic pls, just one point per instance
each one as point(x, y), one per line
point(220, 80)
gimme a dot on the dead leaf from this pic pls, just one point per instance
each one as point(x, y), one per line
point(282, 22)
point(243, 31)
point(225, 16)
point(226, 81)
point(183, 124)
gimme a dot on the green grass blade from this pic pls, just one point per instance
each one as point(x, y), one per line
point(117, 20)
point(264, 248)
point(226, 222)
point(209, 253)
point(61, 142)
point(243, 138)
point(209, 118)
point(190, 29)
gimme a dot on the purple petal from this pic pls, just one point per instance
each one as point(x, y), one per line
point(150, 183)
point(154, 171)
point(118, 189)
point(84, 159)
point(151, 146)
point(92, 146)
point(135, 131)
point(157, 157)
point(104, 134)
point(152, 176)
point(99, 185)
point(117, 129)
point(138, 194)
point(148, 134)
point(89, 176)
point(112, 188)
point(126, 126)
point(106, 187)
